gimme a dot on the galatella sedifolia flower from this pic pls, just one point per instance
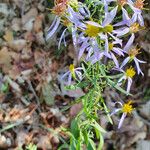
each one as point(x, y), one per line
point(73, 73)
point(126, 108)
point(127, 75)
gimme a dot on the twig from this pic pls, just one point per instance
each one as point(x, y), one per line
point(35, 95)
point(17, 123)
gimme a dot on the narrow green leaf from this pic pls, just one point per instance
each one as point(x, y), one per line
point(98, 127)
point(75, 128)
point(91, 145)
point(101, 143)
point(117, 87)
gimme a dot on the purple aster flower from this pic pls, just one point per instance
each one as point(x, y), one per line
point(132, 53)
point(130, 28)
point(110, 49)
point(67, 16)
point(88, 37)
point(53, 28)
point(127, 75)
point(73, 73)
point(105, 3)
point(137, 9)
point(109, 16)
point(94, 54)
point(75, 18)
point(59, 10)
point(126, 108)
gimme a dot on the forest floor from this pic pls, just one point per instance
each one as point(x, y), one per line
point(33, 103)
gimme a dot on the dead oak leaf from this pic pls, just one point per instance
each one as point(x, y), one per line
point(5, 59)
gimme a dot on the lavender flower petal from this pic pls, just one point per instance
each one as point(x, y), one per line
point(121, 120)
point(129, 43)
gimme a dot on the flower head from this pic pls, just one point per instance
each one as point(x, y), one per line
point(73, 73)
point(126, 108)
point(130, 72)
point(133, 52)
point(71, 68)
point(139, 4)
point(59, 9)
point(135, 27)
point(92, 30)
point(127, 76)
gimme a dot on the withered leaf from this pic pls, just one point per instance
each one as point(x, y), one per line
point(5, 59)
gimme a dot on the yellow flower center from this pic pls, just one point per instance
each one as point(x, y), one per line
point(92, 30)
point(111, 45)
point(133, 52)
point(130, 72)
point(127, 107)
point(108, 28)
point(71, 68)
point(135, 27)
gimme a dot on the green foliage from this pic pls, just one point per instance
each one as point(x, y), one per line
point(4, 87)
point(31, 146)
point(85, 128)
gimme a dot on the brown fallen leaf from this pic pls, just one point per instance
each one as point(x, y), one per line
point(74, 110)
point(8, 36)
point(4, 142)
point(38, 23)
point(5, 59)
point(44, 142)
point(17, 45)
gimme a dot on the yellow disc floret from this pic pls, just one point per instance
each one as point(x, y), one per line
point(72, 71)
point(135, 27)
point(133, 52)
point(130, 72)
point(111, 45)
point(127, 107)
point(92, 31)
point(108, 28)
point(71, 68)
